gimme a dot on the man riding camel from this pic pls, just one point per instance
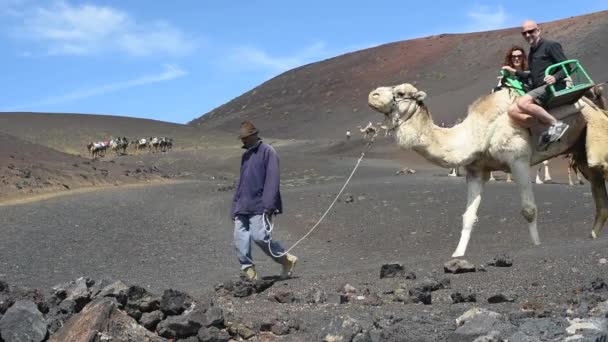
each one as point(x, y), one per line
point(543, 53)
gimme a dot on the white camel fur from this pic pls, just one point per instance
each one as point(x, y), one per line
point(485, 141)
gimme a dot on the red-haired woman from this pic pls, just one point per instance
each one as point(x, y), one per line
point(515, 69)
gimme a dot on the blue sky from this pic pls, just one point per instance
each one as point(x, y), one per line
point(175, 60)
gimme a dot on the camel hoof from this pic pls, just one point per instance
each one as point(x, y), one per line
point(593, 235)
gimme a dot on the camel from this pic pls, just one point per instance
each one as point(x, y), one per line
point(161, 144)
point(97, 149)
point(165, 144)
point(369, 131)
point(140, 144)
point(119, 145)
point(487, 140)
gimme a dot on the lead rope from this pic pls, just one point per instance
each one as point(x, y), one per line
point(269, 225)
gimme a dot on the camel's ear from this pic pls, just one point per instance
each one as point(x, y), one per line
point(420, 95)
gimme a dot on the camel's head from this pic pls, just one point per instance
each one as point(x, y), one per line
point(397, 103)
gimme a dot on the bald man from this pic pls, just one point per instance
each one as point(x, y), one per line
point(528, 110)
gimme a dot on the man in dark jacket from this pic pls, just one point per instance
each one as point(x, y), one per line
point(543, 53)
point(256, 200)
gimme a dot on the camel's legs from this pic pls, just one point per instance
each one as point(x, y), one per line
point(547, 175)
point(475, 182)
point(509, 178)
point(598, 188)
point(600, 197)
point(538, 180)
point(492, 179)
point(570, 176)
point(452, 173)
point(596, 178)
point(521, 175)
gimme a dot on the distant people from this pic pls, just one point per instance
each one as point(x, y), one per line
point(256, 201)
point(348, 134)
point(543, 53)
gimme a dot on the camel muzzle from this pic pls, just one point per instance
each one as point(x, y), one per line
point(378, 101)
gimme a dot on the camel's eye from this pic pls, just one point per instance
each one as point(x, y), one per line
point(400, 94)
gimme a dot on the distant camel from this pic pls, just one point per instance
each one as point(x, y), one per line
point(153, 144)
point(384, 128)
point(369, 131)
point(140, 144)
point(119, 145)
point(97, 149)
point(124, 143)
point(165, 144)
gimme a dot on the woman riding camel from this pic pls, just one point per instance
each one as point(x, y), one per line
point(515, 71)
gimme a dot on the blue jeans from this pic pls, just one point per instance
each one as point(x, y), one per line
point(249, 228)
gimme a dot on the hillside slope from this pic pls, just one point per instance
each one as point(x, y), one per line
point(71, 132)
point(27, 169)
point(322, 100)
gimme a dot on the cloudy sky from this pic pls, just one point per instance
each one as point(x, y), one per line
point(175, 60)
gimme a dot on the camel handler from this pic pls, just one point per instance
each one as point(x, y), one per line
point(256, 199)
point(543, 53)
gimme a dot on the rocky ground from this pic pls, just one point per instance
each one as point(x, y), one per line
point(374, 270)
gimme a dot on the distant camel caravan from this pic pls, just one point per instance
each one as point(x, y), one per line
point(487, 140)
point(119, 145)
point(98, 149)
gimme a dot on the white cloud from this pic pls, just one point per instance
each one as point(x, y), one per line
point(486, 18)
point(66, 29)
point(253, 58)
point(256, 58)
point(171, 72)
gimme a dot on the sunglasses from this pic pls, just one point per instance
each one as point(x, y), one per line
point(529, 32)
point(517, 56)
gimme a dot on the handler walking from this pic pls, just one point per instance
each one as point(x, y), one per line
point(256, 200)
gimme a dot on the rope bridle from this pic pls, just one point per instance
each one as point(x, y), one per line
point(408, 113)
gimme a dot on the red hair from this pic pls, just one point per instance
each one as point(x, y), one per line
point(508, 61)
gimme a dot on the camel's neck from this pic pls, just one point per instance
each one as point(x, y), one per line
point(446, 147)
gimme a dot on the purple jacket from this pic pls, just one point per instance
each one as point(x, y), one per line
point(258, 187)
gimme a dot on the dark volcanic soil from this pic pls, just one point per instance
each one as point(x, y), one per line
point(179, 236)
